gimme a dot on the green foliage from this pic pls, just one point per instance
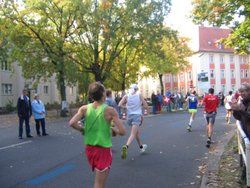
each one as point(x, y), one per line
point(9, 106)
point(82, 41)
point(234, 14)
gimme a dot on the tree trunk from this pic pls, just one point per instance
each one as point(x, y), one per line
point(161, 83)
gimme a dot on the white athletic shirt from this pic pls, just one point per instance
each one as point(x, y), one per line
point(228, 99)
point(134, 104)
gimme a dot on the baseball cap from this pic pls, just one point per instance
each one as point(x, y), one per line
point(134, 87)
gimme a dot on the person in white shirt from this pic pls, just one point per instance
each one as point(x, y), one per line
point(227, 101)
point(134, 103)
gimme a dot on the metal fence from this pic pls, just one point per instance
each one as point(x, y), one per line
point(244, 151)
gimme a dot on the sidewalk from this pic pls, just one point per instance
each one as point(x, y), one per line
point(211, 177)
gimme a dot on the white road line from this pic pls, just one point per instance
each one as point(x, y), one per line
point(14, 145)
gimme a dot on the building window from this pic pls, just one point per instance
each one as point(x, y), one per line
point(190, 75)
point(223, 88)
point(233, 88)
point(231, 59)
point(182, 77)
point(245, 60)
point(242, 73)
point(5, 66)
point(221, 59)
point(7, 89)
point(168, 78)
point(211, 58)
point(46, 90)
point(211, 73)
point(246, 73)
point(232, 74)
point(241, 59)
point(175, 78)
point(222, 73)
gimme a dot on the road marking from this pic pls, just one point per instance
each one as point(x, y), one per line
point(14, 145)
point(51, 174)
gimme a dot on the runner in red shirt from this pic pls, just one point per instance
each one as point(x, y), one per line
point(210, 102)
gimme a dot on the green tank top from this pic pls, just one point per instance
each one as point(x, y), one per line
point(97, 129)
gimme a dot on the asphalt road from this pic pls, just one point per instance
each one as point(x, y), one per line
point(172, 159)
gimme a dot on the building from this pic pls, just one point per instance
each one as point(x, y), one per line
point(12, 83)
point(212, 65)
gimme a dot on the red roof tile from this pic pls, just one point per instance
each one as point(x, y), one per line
point(209, 39)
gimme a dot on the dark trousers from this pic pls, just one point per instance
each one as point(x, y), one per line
point(40, 122)
point(27, 126)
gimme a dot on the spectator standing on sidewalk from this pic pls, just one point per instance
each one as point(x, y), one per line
point(241, 108)
point(38, 110)
point(100, 121)
point(134, 102)
point(210, 102)
point(24, 112)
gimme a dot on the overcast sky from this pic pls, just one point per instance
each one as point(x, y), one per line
point(178, 17)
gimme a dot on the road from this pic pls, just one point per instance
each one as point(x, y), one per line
point(58, 160)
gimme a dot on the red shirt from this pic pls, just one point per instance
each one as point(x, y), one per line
point(211, 103)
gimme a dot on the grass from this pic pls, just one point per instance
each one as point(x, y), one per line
point(230, 170)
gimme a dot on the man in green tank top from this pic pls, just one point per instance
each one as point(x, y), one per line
point(101, 121)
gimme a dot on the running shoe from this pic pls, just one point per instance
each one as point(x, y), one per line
point(189, 128)
point(124, 152)
point(144, 147)
point(208, 143)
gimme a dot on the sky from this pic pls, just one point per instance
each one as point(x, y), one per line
point(178, 17)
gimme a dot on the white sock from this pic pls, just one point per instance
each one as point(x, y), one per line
point(190, 121)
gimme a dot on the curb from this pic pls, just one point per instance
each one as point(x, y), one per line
point(210, 178)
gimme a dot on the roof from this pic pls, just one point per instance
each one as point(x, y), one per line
point(209, 39)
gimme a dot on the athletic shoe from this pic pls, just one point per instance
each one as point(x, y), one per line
point(189, 128)
point(124, 152)
point(144, 147)
point(208, 143)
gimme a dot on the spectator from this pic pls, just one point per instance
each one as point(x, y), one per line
point(24, 112)
point(159, 102)
point(110, 101)
point(241, 108)
point(154, 100)
point(168, 100)
point(38, 111)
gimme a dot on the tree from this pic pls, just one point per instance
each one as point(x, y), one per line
point(235, 14)
point(111, 28)
point(168, 55)
point(38, 38)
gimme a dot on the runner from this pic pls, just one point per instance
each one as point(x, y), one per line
point(134, 102)
point(97, 132)
point(192, 108)
point(210, 102)
point(227, 101)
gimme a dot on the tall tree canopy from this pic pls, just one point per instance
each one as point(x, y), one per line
point(167, 54)
point(67, 38)
point(235, 14)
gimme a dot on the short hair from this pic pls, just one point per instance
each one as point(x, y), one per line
point(211, 90)
point(244, 87)
point(96, 91)
point(230, 92)
point(194, 92)
point(108, 92)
